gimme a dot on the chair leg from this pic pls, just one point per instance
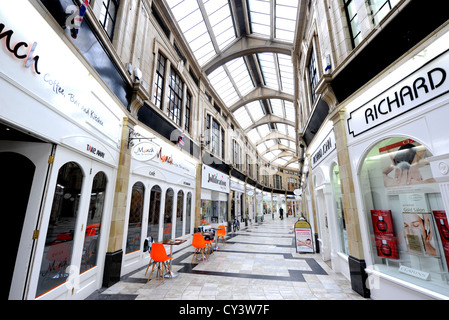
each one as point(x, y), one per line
point(151, 271)
point(149, 264)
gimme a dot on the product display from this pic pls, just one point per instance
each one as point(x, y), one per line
point(440, 216)
point(386, 243)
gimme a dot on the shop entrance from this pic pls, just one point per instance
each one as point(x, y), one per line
point(23, 168)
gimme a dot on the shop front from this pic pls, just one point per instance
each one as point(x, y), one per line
point(399, 151)
point(59, 151)
point(332, 235)
point(160, 196)
point(215, 187)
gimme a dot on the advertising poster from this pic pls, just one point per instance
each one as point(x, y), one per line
point(418, 225)
point(385, 238)
point(303, 234)
point(405, 168)
point(443, 229)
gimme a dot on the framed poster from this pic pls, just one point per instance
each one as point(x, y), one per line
point(386, 242)
point(303, 236)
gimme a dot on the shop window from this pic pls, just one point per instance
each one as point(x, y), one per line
point(406, 214)
point(58, 248)
point(179, 213)
point(188, 212)
point(168, 212)
point(154, 212)
point(338, 202)
point(135, 218)
point(213, 211)
point(93, 224)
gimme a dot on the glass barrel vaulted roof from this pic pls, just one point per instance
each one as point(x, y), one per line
point(257, 86)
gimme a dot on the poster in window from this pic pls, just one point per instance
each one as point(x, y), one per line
point(387, 247)
point(382, 222)
point(443, 229)
point(419, 231)
point(404, 166)
point(386, 242)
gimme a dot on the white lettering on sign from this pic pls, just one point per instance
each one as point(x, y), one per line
point(325, 148)
point(428, 82)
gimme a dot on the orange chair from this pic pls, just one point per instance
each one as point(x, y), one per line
point(200, 245)
point(221, 233)
point(159, 256)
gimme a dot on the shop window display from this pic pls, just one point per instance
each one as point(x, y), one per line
point(153, 215)
point(58, 249)
point(213, 211)
point(406, 216)
point(93, 224)
point(336, 187)
point(135, 218)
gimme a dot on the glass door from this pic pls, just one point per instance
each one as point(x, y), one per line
point(70, 244)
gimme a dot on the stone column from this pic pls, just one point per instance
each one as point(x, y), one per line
point(114, 253)
point(357, 263)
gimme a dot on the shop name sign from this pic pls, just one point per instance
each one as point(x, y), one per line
point(326, 147)
point(214, 180)
point(55, 74)
point(425, 84)
point(145, 151)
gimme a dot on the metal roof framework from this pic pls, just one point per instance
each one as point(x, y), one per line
point(244, 47)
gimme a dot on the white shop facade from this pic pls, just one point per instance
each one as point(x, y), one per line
point(397, 133)
point(59, 150)
point(161, 196)
point(332, 236)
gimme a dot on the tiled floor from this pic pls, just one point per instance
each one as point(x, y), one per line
point(259, 262)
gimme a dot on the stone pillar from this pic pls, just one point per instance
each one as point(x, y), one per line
point(198, 194)
point(114, 253)
point(357, 263)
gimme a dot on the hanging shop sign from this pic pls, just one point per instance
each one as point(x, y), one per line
point(214, 180)
point(325, 148)
point(303, 236)
point(145, 151)
point(425, 84)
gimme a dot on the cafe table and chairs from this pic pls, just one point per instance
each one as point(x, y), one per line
point(172, 242)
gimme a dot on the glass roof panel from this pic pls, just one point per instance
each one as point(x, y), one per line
point(256, 111)
point(254, 136)
point(264, 130)
point(270, 156)
point(286, 71)
point(224, 87)
point(277, 107)
point(259, 16)
point(240, 74)
point(243, 118)
point(280, 161)
point(268, 66)
point(289, 110)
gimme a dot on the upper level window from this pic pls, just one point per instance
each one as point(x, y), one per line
point(215, 136)
point(236, 155)
point(176, 87)
point(380, 8)
point(313, 76)
point(353, 21)
point(187, 112)
point(159, 81)
point(108, 16)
